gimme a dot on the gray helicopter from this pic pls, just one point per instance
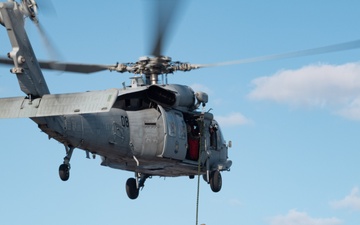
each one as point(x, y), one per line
point(150, 127)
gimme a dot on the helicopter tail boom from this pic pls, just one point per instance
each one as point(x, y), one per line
point(26, 66)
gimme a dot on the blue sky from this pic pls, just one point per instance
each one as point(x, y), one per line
point(294, 123)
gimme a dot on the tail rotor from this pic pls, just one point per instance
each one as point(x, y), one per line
point(30, 9)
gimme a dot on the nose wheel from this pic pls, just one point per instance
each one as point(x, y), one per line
point(214, 179)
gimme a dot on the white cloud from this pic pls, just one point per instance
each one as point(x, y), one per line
point(301, 218)
point(334, 87)
point(351, 110)
point(233, 119)
point(351, 201)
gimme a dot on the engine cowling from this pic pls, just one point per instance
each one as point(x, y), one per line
point(172, 95)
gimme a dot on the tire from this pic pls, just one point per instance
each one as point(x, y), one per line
point(215, 181)
point(64, 172)
point(131, 190)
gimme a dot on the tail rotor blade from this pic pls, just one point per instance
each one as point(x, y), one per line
point(46, 7)
point(53, 54)
point(30, 9)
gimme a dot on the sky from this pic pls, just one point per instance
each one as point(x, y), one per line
point(294, 123)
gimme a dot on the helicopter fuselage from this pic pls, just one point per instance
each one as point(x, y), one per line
point(140, 135)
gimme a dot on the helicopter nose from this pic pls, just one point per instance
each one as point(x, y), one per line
point(225, 166)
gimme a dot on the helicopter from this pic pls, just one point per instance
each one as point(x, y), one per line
point(150, 127)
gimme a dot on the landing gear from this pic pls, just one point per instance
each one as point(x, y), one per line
point(64, 169)
point(64, 172)
point(131, 188)
point(215, 181)
point(133, 185)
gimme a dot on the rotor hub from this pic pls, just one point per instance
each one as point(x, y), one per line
point(30, 9)
point(152, 67)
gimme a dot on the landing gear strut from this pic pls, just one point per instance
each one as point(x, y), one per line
point(64, 169)
point(133, 185)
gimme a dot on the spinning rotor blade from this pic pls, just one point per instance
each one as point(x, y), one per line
point(314, 51)
point(66, 67)
point(30, 9)
point(170, 67)
point(164, 14)
point(46, 7)
point(53, 54)
point(6, 61)
point(74, 67)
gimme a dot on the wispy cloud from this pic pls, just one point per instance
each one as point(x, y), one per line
point(333, 87)
point(294, 217)
point(351, 201)
point(233, 119)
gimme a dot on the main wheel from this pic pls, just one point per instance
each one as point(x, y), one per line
point(215, 181)
point(131, 190)
point(64, 172)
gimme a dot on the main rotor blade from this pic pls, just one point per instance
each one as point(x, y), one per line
point(74, 67)
point(164, 15)
point(314, 51)
point(6, 61)
point(66, 67)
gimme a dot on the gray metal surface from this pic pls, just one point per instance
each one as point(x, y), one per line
point(59, 104)
point(26, 66)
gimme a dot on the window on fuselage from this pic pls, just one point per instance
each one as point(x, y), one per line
point(132, 102)
point(213, 138)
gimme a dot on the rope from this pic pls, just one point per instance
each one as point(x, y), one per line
point(198, 195)
point(199, 171)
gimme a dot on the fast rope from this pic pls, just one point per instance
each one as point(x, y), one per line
point(199, 169)
point(198, 194)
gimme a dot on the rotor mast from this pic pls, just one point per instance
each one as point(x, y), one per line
point(154, 67)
